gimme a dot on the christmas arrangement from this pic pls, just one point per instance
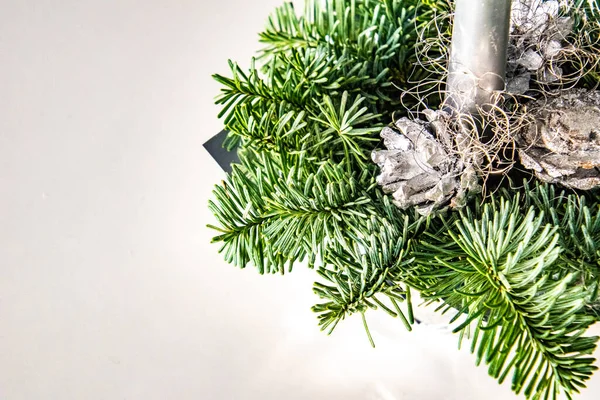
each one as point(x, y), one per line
point(449, 149)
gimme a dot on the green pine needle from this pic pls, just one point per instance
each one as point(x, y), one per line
point(524, 319)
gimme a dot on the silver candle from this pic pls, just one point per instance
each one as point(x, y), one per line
point(477, 65)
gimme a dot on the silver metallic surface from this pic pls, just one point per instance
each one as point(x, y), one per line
point(477, 64)
point(563, 145)
point(418, 167)
point(538, 43)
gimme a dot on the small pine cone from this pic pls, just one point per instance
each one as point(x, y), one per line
point(419, 169)
point(538, 33)
point(563, 145)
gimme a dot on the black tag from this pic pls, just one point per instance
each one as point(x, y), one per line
point(223, 157)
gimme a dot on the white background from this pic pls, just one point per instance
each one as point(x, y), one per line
point(109, 288)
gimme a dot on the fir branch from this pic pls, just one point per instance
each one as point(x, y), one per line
point(348, 131)
point(496, 270)
point(589, 7)
point(277, 129)
point(322, 73)
point(366, 273)
point(379, 37)
point(577, 218)
point(356, 43)
point(341, 130)
point(367, 29)
point(336, 25)
point(251, 89)
point(272, 211)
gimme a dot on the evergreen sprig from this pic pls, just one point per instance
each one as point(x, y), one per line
point(496, 270)
point(577, 219)
point(280, 117)
point(359, 49)
point(346, 129)
point(272, 211)
point(366, 273)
